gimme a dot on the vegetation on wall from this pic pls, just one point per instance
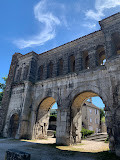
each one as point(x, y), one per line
point(2, 88)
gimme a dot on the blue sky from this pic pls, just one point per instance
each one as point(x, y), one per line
point(97, 101)
point(41, 25)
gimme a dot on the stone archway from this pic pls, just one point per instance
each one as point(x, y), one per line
point(13, 125)
point(76, 114)
point(6, 132)
point(42, 118)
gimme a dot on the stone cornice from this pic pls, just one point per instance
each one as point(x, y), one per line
point(64, 46)
point(30, 54)
point(110, 20)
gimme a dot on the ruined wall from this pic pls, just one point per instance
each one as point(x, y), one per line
point(7, 92)
point(69, 74)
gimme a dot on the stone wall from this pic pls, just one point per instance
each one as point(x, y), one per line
point(82, 75)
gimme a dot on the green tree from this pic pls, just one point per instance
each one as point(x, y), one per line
point(102, 115)
point(2, 88)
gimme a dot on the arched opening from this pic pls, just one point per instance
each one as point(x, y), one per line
point(72, 63)
point(52, 121)
point(86, 64)
point(101, 55)
point(60, 67)
point(116, 43)
point(46, 118)
point(86, 115)
point(40, 73)
point(50, 70)
point(13, 125)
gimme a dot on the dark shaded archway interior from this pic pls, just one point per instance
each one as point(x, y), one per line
point(13, 125)
point(42, 118)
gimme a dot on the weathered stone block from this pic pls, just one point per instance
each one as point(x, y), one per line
point(13, 154)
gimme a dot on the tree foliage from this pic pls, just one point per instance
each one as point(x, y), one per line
point(86, 132)
point(2, 87)
point(102, 115)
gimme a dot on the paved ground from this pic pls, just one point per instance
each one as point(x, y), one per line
point(47, 150)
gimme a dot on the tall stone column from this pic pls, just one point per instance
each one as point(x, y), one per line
point(7, 92)
point(109, 46)
point(45, 71)
point(26, 112)
point(63, 127)
point(78, 61)
point(65, 64)
point(55, 69)
point(92, 58)
point(110, 123)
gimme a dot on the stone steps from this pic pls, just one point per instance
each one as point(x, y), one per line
point(98, 137)
point(50, 133)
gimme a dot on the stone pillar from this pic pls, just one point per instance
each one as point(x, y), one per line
point(55, 65)
point(65, 64)
point(7, 92)
point(32, 70)
point(110, 123)
point(32, 122)
point(76, 125)
point(63, 127)
point(116, 130)
point(78, 61)
point(26, 112)
point(45, 71)
point(92, 58)
point(109, 46)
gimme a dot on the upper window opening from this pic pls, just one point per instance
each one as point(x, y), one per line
point(101, 55)
point(86, 59)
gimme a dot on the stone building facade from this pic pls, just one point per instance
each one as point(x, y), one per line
point(68, 75)
point(91, 117)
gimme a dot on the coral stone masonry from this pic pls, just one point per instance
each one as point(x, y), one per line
point(68, 75)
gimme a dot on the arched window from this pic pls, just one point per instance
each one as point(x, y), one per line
point(86, 60)
point(60, 67)
point(50, 70)
point(40, 73)
point(101, 55)
point(116, 43)
point(72, 63)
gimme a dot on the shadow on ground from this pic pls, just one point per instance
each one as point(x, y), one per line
point(40, 151)
point(55, 153)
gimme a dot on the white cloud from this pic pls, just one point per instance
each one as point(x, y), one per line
point(48, 19)
point(100, 6)
point(90, 25)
